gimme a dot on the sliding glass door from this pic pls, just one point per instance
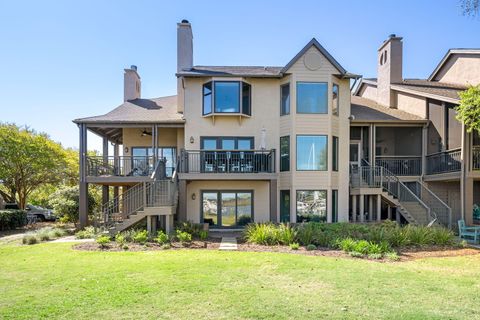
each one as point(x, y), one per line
point(227, 208)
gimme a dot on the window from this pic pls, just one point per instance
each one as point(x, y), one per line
point(285, 99)
point(285, 153)
point(312, 97)
point(284, 205)
point(227, 208)
point(312, 153)
point(226, 143)
point(142, 159)
point(207, 98)
point(228, 97)
point(311, 205)
point(335, 153)
point(335, 99)
point(334, 205)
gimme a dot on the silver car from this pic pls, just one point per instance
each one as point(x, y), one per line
point(40, 213)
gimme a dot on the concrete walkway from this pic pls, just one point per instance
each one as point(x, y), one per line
point(70, 239)
point(228, 244)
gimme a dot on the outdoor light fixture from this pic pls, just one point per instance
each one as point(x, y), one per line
point(192, 140)
point(146, 133)
point(126, 149)
point(194, 196)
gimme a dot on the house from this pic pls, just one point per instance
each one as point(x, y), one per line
point(259, 143)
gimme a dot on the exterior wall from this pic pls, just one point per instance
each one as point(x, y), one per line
point(460, 69)
point(167, 137)
point(261, 196)
point(449, 192)
point(412, 104)
point(368, 91)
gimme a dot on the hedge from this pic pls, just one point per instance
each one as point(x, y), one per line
point(12, 219)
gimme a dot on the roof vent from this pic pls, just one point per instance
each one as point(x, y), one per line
point(133, 67)
point(185, 21)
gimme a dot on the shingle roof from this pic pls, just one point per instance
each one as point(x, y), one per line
point(157, 110)
point(422, 86)
point(366, 110)
point(229, 71)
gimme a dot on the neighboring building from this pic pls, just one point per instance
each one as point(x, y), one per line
point(428, 142)
point(289, 143)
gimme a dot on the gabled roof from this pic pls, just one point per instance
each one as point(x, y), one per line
point(369, 81)
point(430, 89)
point(447, 56)
point(366, 110)
point(158, 110)
point(316, 44)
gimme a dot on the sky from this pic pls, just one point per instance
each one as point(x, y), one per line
point(62, 60)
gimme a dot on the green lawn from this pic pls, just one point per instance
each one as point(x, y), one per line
point(52, 281)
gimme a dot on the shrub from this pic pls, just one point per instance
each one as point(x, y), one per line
point(286, 234)
point(103, 241)
point(443, 236)
point(190, 227)
point(261, 233)
point(311, 247)
point(244, 220)
point(393, 256)
point(12, 219)
point(166, 246)
point(140, 236)
point(418, 236)
point(161, 238)
point(203, 235)
point(183, 236)
point(375, 256)
point(347, 245)
point(294, 246)
point(120, 239)
point(87, 233)
point(65, 203)
point(29, 239)
point(44, 234)
point(57, 232)
point(356, 254)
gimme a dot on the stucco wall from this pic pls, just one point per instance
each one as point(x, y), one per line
point(412, 104)
point(368, 91)
point(261, 200)
point(460, 69)
point(167, 137)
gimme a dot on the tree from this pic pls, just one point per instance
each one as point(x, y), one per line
point(470, 7)
point(28, 160)
point(468, 111)
point(65, 203)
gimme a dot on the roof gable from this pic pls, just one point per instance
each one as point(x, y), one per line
point(326, 54)
point(447, 56)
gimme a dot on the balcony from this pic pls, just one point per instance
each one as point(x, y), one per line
point(400, 165)
point(444, 162)
point(227, 161)
point(124, 166)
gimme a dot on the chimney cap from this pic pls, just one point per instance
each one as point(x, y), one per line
point(392, 35)
point(185, 21)
point(133, 67)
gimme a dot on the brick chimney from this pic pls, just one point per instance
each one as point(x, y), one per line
point(389, 69)
point(132, 86)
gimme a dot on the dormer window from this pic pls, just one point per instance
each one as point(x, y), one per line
point(226, 97)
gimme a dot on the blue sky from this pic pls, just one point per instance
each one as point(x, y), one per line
point(62, 60)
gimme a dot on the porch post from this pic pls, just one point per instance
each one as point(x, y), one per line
point(83, 186)
point(362, 209)
point(105, 188)
point(370, 208)
point(115, 188)
point(273, 200)
point(354, 208)
point(424, 150)
point(389, 210)
point(182, 200)
point(379, 207)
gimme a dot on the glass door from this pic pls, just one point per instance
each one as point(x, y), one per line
point(355, 156)
point(229, 205)
point(284, 205)
point(227, 208)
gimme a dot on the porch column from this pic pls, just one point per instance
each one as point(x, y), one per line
point(105, 189)
point(397, 216)
point(83, 186)
point(424, 150)
point(354, 208)
point(115, 188)
point(273, 200)
point(362, 209)
point(379, 207)
point(370, 208)
point(389, 210)
point(182, 201)
point(168, 223)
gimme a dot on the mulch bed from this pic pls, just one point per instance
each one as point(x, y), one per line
point(214, 244)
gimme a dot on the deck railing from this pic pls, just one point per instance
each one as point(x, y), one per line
point(125, 166)
point(444, 162)
point(476, 158)
point(400, 165)
point(227, 161)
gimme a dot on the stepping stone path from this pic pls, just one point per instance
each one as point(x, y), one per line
point(228, 243)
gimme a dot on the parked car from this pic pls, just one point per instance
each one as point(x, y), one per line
point(42, 214)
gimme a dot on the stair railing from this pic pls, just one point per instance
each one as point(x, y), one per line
point(442, 211)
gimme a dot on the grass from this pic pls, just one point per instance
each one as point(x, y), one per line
point(51, 281)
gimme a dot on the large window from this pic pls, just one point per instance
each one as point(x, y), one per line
point(311, 205)
point(285, 99)
point(334, 205)
point(228, 97)
point(312, 153)
point(284, 205)
point(335, 153)
point(285, 153)
point(227, 208)
point(226, 143)
point(312, 97)
point(335, 99)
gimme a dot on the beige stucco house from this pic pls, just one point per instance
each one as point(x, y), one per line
point(285, 144)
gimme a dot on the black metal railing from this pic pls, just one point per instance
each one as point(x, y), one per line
point(476, 158)
point(443, 162)
point(227, 161)
point(400, 165)
point(125, 166)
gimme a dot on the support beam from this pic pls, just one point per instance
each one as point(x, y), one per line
point(83, 186)
point(379, 207)
point(362, 208)
point(354, 208)
point(273, 200)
